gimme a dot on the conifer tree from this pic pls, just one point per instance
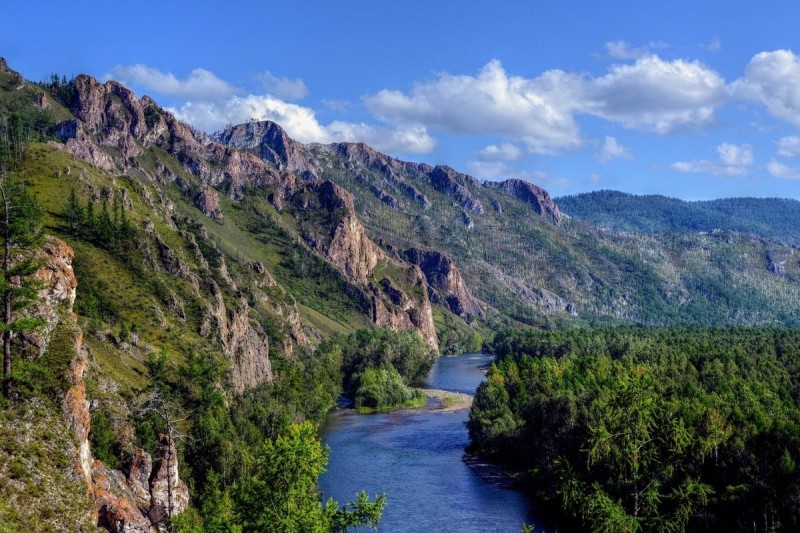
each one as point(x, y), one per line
point(20, 233)
point(73, 214)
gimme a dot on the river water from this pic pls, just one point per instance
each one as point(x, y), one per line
point(415, 457)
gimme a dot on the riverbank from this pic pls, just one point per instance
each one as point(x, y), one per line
point(448, 400)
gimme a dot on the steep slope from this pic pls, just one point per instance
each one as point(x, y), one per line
point(116, 132)
point(516, 252)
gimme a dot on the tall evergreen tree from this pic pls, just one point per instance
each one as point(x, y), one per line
point(73, 214)
point(20, 233)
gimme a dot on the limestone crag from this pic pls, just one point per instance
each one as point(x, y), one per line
point(447, 286)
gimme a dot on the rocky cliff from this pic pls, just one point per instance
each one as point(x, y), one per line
point(537, 198)
point(136, 501)
point(446, 284)
point(256, 157)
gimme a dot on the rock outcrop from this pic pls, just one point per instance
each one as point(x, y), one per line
point(537, 198)
point(392, 308)
point(240, 340)
point(456, 185)
point(332, 228)
point(123, 502)
point(207, 201)
point(447, 286)
point(271, 143)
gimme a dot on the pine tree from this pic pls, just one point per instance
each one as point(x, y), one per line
point(73, 214)
point(90, 229)
point(20, 233)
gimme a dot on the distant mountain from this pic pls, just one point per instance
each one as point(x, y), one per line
point(774, 219)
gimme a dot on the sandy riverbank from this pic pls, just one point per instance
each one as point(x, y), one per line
point(447, 400)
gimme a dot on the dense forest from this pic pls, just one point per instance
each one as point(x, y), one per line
point(775, 219)
point(639, 429)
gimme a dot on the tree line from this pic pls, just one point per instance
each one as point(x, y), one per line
point(639, 429)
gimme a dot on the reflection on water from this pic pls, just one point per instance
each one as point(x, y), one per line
point(415, 457)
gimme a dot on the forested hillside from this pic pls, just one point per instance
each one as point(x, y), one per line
point(774, 219)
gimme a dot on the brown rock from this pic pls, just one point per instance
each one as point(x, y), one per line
point(208, 203)
point(446, 281)
point(169, 495)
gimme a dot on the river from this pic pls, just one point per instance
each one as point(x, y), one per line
point(415, 457)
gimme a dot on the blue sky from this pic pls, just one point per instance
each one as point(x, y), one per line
point(694, 99)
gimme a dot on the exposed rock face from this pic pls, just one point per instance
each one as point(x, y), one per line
point(121, 501)
point(446, 283)
point(341, 239)
point(246, 346)
point(208, 203)
point(392, 308)
point(268, 140)
point(169, 496)
point(536, 197)
point(455, 185)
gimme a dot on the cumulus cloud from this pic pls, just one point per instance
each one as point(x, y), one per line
point(651, 94)
point(412, 139)
point(538, 110)
point(734, 160)
point(612, 150)
point(200, 85)
point(301, 123)
point(773, 79)
point(503, 152)
point(789, 146)
point(657, 95)
point(284, 88)
point(781, 170)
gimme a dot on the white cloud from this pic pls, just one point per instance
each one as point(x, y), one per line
point(200, 85)
point(734, 160)
point(284, 88)
point(537, 111)
point(412, 139)
point(773, 79)
point(657, 95)
point(301, 123)
point(651, 94)
point(624, 50)
point(789, 146)
point(612, 150)
point(298, 121)
point(504, 152)
point(781, 170)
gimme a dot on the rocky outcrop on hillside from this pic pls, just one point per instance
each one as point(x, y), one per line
point(125, 502)
point(537, 198)
point(207, 201)
point(456, 186)
point(447, 286)
point(240, 340)
point(393, 308)
point(270, 142)
point(332, 228)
